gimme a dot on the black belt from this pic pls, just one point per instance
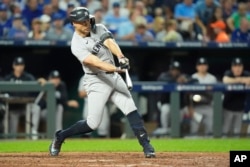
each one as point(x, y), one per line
point(100, 73)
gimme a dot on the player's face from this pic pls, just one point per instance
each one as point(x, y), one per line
point(237, 70)
point(83, 27)
point(174, 72)
point(55, 81)
point(18, 68)
point(202, 68)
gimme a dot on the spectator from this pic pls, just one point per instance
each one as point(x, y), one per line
point(67, 22)
point(184, 13)
point(56, 9)
point(202, 101)
point(219, 29)
point(241, 34)
point(47, 9)
point(70, 7)
point(18, 29)
point(204, 12)
point(140, 7)
point(17, 76)
point(105, 6)
point(92, 5)
point(141, 32)
point(58, 32)
point(31, 11)
point(45, 23)
point(126, 31)
point(104, 129)
point(161, 34)
point(36, 32)
point(248, 7)
point(15, 8)
point(98, 16)
point(228, 9)
point(5, 22)
point(216, 17)
point(169, 13)
point(113, 20)
point(233, 102)
point(61, 95)
point(172, 76)
point(64, 4)
point(234, 20)
point(171, 32)
point(159, 21)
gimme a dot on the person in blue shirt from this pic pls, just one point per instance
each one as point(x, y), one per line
point(126, 30)
point(31, 11)
point(5, 22)
point(205, 10)
point(18, 29)
point(112, 21)
point(56, 9)
point(241, 34)
point(185, 14)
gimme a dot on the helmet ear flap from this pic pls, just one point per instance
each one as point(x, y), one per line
point(92, 23)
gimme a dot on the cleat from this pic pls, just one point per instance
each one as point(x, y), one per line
point(55, 146)
point(149, 151)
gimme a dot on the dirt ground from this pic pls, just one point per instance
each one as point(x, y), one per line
point(114, 159)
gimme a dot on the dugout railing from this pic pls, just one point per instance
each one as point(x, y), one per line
point(49, 91)
point(176, 89)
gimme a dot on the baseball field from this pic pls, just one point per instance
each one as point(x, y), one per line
point(121, 153)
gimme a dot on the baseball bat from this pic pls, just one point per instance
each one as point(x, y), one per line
point(128, 80)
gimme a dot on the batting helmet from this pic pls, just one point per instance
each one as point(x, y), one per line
point(79, 14)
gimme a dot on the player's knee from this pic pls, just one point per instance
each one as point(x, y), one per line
point(93, 124)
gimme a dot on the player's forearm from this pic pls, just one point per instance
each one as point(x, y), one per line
point(113, 47)
point(229, 80)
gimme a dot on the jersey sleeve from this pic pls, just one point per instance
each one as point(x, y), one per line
point(101, 29)
point(80, 51)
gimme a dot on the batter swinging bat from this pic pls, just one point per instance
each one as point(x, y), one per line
point(128, 80)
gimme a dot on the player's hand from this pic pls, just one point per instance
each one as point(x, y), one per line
point(42, 81)
point(124, 63)
point(73, 103)
point(120, 70)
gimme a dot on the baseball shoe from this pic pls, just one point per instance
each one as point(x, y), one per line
point(149, 151)
point(55, 145)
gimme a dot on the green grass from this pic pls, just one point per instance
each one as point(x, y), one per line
point(118, 145)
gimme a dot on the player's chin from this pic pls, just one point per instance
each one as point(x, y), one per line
point(86, 31)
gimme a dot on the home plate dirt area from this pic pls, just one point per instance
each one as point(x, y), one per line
point(115, 159)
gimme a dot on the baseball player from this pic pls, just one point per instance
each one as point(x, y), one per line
point(234, 102)
point(39, 109)
point(92, 44)
point(203, 106)
point(18, 75)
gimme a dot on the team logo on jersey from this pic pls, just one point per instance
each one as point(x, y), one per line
point(96, 48)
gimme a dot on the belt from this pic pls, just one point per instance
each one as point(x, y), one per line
point(100, 73)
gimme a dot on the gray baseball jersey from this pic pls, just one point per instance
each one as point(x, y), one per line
point(102, 86)
point(83, 47)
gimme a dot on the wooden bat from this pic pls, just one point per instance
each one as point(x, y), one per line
point(128, 80)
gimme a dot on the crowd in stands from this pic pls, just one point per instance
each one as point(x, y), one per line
point(140, 20)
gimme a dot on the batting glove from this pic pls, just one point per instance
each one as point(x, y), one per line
point(124, 63)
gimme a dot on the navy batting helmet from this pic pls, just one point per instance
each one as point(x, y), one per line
point(79, 14)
